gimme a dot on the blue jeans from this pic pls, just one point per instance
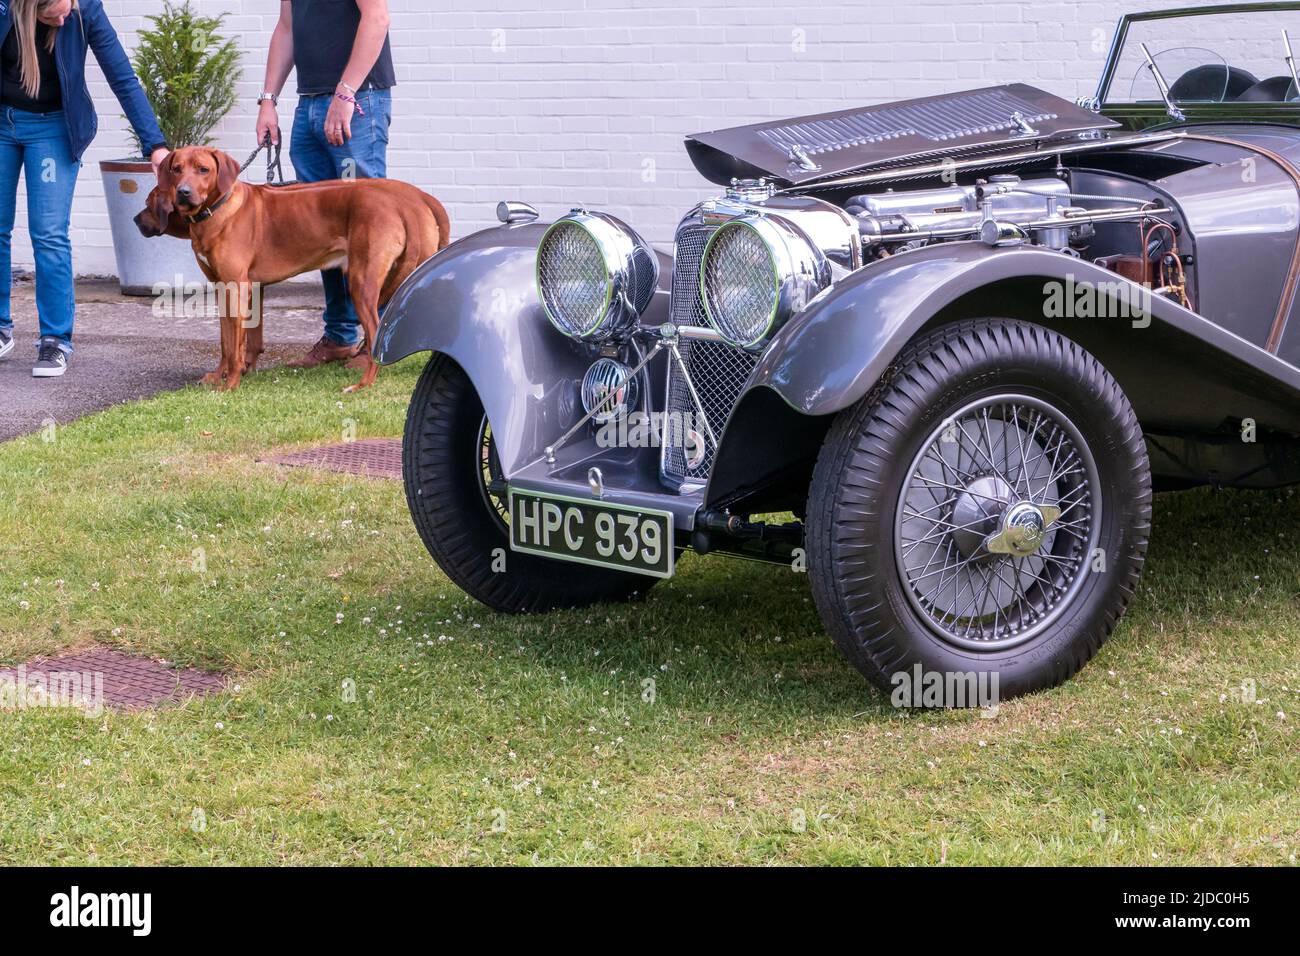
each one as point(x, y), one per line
point(364, 156)
point(38, 143)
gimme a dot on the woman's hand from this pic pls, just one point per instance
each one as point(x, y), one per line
point(338, 119)
point(157, 156)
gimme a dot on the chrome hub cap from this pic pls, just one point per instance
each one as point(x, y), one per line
point(977, 513)
point(996, 522)
point(1023, 530)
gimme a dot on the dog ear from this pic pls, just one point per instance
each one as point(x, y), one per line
point(165, 182)
point(227, 171)
point(160, 203)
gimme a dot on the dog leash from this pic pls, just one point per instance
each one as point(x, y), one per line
point(274, 170)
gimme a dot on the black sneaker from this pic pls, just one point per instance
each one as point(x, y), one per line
point(6, 343)
point(51, 360)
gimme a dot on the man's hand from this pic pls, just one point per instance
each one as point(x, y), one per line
point(268, 121)
point(156, 158)
point(338, 119)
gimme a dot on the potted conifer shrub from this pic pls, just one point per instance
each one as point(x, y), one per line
point(189, 73)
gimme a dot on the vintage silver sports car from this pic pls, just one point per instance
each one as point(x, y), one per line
point(934, 352)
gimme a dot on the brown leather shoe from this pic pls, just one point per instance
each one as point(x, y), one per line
point(326, 351)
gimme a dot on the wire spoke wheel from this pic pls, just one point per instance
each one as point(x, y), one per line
point(984, 510)
point(491, 475)
point(996, 521)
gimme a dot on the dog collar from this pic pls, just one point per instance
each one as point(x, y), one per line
point(204, 215)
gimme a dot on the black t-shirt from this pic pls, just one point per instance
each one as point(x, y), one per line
point(50, 96)
point(323, 34)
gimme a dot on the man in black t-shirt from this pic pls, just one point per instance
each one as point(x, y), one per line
point(340, 130)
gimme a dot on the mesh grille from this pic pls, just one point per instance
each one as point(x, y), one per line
point(572, 278)
point(717, 370)
point(644, 277)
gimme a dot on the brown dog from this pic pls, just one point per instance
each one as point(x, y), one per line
point(378, 230)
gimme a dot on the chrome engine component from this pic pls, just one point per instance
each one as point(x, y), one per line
point(728, 299)
point(750, 190)
point(884, 218)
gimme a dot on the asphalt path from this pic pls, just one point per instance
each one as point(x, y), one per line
point(127, 349)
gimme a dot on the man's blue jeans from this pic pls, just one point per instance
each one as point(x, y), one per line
point(364, 156)
point(38, 144)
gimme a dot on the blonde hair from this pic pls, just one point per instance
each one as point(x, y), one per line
point(24, 23)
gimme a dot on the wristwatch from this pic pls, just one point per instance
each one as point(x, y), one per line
point(263, 96)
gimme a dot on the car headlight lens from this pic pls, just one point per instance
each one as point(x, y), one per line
point(756, 272)
point(594, 275)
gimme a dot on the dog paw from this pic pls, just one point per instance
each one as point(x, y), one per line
point(212, 378)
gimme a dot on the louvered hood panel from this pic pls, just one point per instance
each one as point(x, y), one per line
point(808, 148)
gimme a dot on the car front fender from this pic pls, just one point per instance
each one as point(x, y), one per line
point(476, 301)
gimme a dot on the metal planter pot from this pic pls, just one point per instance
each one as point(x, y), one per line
point(142, 264)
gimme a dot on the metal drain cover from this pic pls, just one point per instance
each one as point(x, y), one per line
point(368, 457)
point(121, 681)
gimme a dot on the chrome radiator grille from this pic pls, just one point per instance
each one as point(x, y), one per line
point(718, 371)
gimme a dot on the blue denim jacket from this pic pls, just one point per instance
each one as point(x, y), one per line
point(87, 28)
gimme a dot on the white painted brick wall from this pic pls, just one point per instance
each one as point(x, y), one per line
point(565, 101)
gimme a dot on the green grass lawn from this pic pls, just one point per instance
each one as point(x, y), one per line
point(476, 737)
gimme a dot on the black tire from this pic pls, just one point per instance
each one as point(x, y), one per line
point(441, 469)
point(874, 457)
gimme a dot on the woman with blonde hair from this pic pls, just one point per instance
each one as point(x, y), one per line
point(47, 119)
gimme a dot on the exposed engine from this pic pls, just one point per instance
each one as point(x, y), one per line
point(1003, 208)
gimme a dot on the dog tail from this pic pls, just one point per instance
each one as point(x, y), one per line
point(440, 215)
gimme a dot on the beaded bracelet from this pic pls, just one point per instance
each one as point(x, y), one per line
point(351, 99)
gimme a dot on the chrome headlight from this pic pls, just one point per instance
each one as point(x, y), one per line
point(594, 275)
point(756, 272)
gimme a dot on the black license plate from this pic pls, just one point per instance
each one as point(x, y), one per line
point(592, 532)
